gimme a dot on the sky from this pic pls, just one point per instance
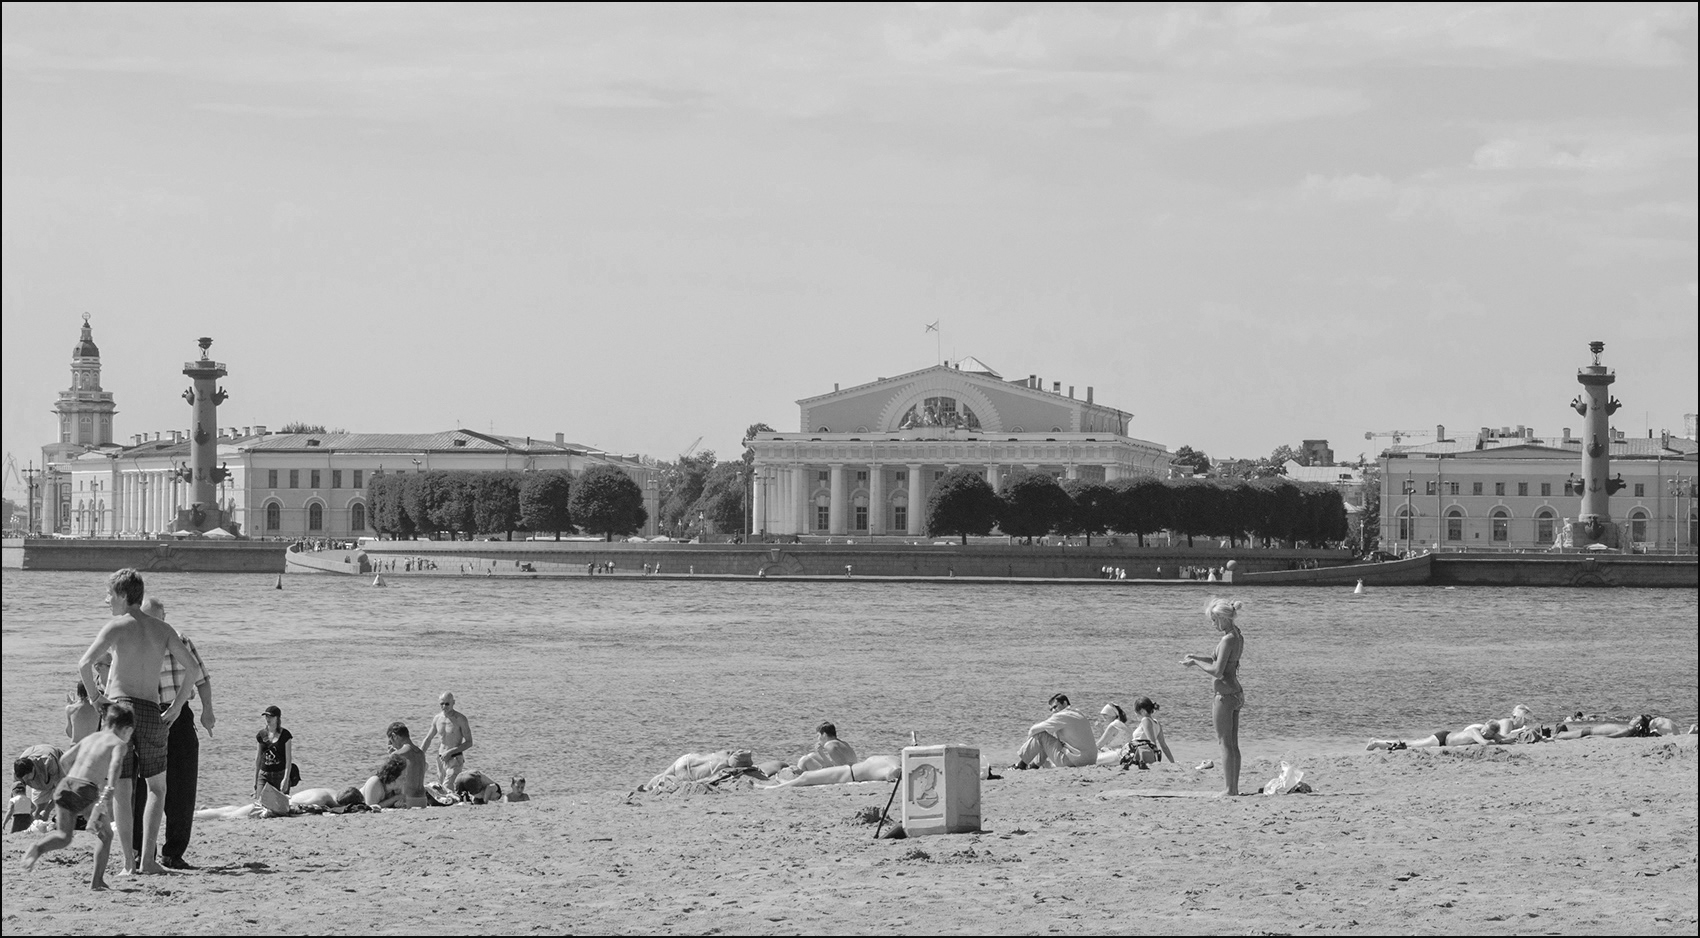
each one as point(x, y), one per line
point(1246, 224)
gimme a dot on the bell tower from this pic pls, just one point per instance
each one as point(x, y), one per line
point(85, 411)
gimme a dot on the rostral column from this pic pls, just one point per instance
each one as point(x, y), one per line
point(1596, 405)
point(204, 513)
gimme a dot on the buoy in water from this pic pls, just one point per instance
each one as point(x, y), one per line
point(1360, 589)
point(279, 582)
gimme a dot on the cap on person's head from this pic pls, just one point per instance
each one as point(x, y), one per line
point(1109, 710)
point(272, 711)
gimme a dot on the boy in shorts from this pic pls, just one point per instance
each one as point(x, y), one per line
point(91, 767)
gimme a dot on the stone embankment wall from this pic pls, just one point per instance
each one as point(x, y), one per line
point(165, 556)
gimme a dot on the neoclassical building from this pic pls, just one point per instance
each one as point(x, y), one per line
point(863, 459)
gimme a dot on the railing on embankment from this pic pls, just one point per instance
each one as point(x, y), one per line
point(186, 555)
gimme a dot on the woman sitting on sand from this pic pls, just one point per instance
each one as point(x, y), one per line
point(1116, 734)
point(1148, 744)
point(871, 769)
point(1476, 734)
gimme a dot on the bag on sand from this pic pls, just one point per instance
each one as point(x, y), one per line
point(294, 776)
point(1287, 782)
point(273, 800)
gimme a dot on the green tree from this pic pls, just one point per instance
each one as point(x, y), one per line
point(545, 502)
point(1033, 505)
point(1192, 505)
point(1193, 461)
point(1140, 506)
point(495, 503)
point(606, 501)
point(387, 494)
point(1093, 508)
point(681, 488)
point(448, 500)
point(298, 426)
point(722, 500)
point(961, 503)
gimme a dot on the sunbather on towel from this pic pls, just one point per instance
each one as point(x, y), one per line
point(871, 769)
point(1476, 734)
point(706, 766)
point(301, 802)
point(1642, 725)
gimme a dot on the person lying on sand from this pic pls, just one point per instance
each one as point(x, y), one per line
point(707, 766)
point(1519, 719)
point(476, 787)
point(1642, 725)
point(306, 801)
point(871, 769)
point(1476, 734)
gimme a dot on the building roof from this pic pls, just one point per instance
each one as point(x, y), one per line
point(1332, 475)
point(1632, 447)
point(85, 346)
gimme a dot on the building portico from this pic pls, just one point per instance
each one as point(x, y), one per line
point(866, 458)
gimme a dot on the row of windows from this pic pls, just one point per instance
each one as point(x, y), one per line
point(899, 518)
point(1499, 526)
point(824, 477)
point(314, 478)
point(1476, 488)
point(316, 517)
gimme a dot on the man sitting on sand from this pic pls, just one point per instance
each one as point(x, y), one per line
point(829, 751)
point(413, 779)
point(1476, 734)
point(871, 769)
point(1062, 740)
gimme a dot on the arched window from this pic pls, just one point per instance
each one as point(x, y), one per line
point(315, 517)
point(1638, 526)
point(357, 517)
point(274, 516)
point(1501, 525)
point(1404, 525)
point(1454, 524)
point(1543, 527)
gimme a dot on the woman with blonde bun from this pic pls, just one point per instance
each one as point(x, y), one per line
point(1224, 667)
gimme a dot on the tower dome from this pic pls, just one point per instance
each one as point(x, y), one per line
point(85, 345)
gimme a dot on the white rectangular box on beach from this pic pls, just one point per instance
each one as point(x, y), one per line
point(941, 790)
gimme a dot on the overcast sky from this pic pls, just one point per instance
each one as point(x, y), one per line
point(1245, 224)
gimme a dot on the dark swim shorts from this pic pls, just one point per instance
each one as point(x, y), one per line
point(147, 747)
point(1441, 735)
point(76, 794)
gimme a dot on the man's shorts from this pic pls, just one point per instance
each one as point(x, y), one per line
point(148, 746)
point(76, 794)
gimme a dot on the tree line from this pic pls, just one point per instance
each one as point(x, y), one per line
point(1032, 504)
point(601, 500)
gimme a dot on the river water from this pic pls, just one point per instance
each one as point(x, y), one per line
point(595, 684)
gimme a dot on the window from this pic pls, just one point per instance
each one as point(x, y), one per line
point(357, 516)
point(1454, 525)
point(294, 478)
point(1430, 489)
point(1452, 488)
point(271, 478)
point(1546, 489)
point(315, 517)
point(336, 478)
point(861, 517)
point(938, 474)
point(940, 412)
point(1501, 526)
point(823, 476)
point(274, 515)
point(1522, 488)
point(1404, 525)
point(1475, 488)
point(902, 478)
point(1499, 488)
point(1640, 492)
point(1543, 527)
point(359, 478)
point(313, 478)
point(1638, 526)
point(823, 517)
point(861, 477)
point(900, 518)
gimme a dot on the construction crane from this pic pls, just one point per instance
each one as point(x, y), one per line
point(1397, 435)
point(691, 448)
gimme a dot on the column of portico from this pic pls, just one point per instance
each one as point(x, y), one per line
point(758, 499)
point(805, 510)
point(876, 498)
point(993, 475)
point(837, 509)
point(916, 509)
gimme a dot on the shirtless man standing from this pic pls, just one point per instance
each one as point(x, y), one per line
point(413, 779)
point(454, 737)
point(138, 644)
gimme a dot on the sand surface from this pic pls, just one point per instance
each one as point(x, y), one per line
point(1571, 837)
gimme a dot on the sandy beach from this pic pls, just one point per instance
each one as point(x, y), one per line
point(1579, 836)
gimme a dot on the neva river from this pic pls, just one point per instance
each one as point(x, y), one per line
point(596, 684)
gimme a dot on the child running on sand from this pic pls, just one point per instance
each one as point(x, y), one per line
point(99, 756)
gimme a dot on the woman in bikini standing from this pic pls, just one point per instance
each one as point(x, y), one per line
point(1224, 667)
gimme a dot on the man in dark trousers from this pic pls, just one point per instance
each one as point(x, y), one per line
point(183, 758)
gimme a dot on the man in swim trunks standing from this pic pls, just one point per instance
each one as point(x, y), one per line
point(183, 755)
point(138, 644)
point(453, 733)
